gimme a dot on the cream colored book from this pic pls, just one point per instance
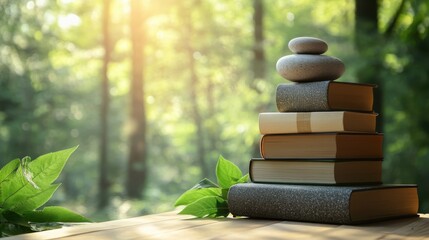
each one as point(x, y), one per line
point(312, 122)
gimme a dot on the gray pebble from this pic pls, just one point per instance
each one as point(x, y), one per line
point(308, 68)
point(308, 45)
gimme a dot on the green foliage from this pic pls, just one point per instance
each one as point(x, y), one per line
point(209, 206)
point(54, 214)
point(208, 199)
point(228, 173)
point(25, 186)
point(193, 195)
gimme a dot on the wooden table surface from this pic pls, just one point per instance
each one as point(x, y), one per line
point(172, 226)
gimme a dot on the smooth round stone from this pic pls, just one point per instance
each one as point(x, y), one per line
point(308, 45)
point(307, 67)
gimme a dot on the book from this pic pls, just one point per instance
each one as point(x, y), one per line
point(322, 145)
point(306, 122)
point(323, 204)
point(316, 171)
point(324, 96)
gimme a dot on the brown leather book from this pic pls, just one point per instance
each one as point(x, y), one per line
point(322, 145)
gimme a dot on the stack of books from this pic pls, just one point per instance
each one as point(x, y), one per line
point(321, 156)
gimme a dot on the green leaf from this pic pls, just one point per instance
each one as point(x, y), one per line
point(5, 175)
point(193, 195)
point(14, 218)
point(10, 229)
point(54, 214)
point(26, 185)
point(225, 193)
point(26, 172)
point(48, 167)
point(205, 183)
point(210, 206)
point(243, 179)
point(208, 199)
point(9, 168)
point(32, 199)
point(20, 195)
point(227, 173)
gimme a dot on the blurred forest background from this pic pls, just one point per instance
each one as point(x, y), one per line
point(154, 91)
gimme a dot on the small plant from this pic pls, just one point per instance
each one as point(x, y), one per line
point(25, 186)
point(208, 199)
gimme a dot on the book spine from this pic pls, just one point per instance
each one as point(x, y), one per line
point(322, 204)
point(251, 171)
point(303, 97)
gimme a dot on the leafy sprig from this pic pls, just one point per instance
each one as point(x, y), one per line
point(25, 186)
point(209, 199)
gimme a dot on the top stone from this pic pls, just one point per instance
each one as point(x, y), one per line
point(308, 45)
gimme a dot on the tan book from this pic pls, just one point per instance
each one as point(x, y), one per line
point(322, 145)
point(316, 171)
point(307, 122)
point(324, 96)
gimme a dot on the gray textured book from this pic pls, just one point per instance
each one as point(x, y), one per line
point(323, 204)
point(324, 96)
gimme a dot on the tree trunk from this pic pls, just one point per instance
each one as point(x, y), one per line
point(259, 61)
point(196, 115)
point(103, 182)
point(367, 40)
point(366, 22)
point(212, 129)
point(193, 86)
point(137, 166)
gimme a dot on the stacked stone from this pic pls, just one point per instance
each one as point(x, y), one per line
point(308, 64)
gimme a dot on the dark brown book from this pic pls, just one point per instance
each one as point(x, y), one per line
point(322, 145)
point(324, 96)
point(323, 204)
point(316, 171)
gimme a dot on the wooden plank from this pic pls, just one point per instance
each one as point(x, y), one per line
point(220, 228)
point(301, 230)
point(415, 230)
point(93, 227)
point(365, 231)
point(280, 230)
point(170, 225)
point(174, 228)
point(144, 230)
